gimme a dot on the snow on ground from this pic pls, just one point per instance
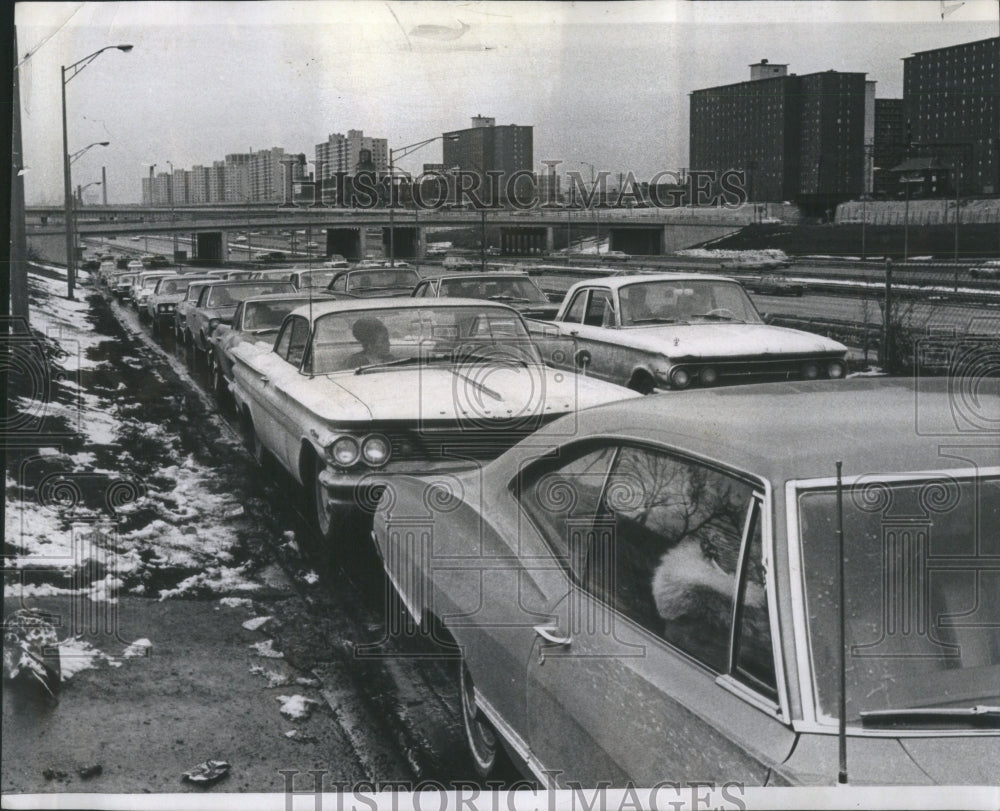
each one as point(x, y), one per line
point(236, 602)
point(274, 679)
point(297, 707)
point(66, 324)
point(76, 655)
point(761, 255)
point(266, 650)
point(140, 647)
point(255, 623)
point(189, 526)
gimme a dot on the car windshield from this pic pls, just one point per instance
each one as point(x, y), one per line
point(231, 296)
point(382, 279)
point(315, 279)
point(151, 281)
point(265, 316)
point(922, 588)
point(166, 286)
point(687, 301)
point(404, 336)
point(495, 289)
point(194, 290)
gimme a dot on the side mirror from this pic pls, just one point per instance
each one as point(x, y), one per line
point(767, 318)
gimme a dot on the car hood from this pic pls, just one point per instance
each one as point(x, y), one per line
point(725, 340)
point(445, 393)
point(920, 760)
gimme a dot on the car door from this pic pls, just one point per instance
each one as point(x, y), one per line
point(276, 372)
point(290, 412)
point(595, 335)
point(660, 665)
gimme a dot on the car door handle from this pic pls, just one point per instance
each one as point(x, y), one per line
point(549, 634)
point(264, 380)
point(574, 332)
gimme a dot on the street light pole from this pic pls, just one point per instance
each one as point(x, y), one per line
point(403, 151)
point(597, 212)
point(392, 211)
point(170, 189)
point(67, 73)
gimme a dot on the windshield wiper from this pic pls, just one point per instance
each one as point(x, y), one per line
point(717, 317)
point(657, 320)
point(410, 361)
point(982, 715)
point(504, 297)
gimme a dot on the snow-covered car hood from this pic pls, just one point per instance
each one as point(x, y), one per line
point(435, 392)
point(724, 340)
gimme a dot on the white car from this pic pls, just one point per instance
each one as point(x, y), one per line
point(669, 330)
point(356, 390)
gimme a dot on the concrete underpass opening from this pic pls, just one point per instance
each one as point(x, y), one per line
point(406, 242)
point(209, 247)
point(348, 242)
point(637, 241)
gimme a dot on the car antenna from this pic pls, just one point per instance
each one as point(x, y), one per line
point(841, 620)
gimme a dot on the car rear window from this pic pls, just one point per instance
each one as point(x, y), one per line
point(231, 296)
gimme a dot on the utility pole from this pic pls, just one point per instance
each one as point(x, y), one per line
point(18, 232)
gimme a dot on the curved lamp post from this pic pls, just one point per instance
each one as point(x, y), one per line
point(68, 72)
point(402, 152)
point(79, 153)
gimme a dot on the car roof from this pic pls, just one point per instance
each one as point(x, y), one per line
point(265, 297)
point(227, 283)
point(495, 274)
point(798, 430)
point(323, 306)
point(617, 281)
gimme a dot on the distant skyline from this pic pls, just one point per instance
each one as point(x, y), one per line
point(605, 84)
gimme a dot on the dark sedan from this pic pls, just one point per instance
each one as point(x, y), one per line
point(515, 289)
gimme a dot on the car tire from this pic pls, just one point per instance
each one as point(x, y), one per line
point(642, 383)
point(481, 739)
point(324, 521)
point(219, 384)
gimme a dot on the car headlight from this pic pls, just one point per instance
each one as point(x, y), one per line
point(835, 370)
point(375, 450)
point(344, 451)
point(679, 378)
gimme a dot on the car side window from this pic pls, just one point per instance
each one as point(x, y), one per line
point(600, 311)
point(673, 565)
point(298, 330)
point(562, 499)
point(284, 340)
point(577, 307)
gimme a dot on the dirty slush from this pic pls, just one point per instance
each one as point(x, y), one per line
point(170, 632)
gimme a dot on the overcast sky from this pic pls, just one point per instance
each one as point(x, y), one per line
point(602, 83)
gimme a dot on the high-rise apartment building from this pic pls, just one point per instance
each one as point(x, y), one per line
point(951, 105)
point(216, 182)
point(795, 137)
point(342, 153)
point(485, 147)
point(237, 177)
point(889, 144)
point(198, 185)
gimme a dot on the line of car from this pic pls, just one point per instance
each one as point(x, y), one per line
point(636, 589)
